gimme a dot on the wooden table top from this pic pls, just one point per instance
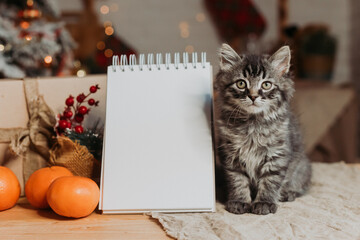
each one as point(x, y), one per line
point(25, 222)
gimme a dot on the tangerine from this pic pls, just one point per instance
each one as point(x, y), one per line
point(9, 188)
point(39, 182)
point(74, 196)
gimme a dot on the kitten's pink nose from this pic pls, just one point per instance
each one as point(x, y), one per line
point(253, 97)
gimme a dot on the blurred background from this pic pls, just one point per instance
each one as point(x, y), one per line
point(79, 38)
point(321, 34)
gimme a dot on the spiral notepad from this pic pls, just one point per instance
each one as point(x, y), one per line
point(158, 143)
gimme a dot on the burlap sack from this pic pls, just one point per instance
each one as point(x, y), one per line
point(75, 157)
point(29, 147)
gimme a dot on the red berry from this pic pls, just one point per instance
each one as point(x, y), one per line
point(68, 113)
point(91, 101)
point(63, 124)
point(93, 89)
point(69, 124)
point(83, 110)
point(79, 118)
point(79, 129)
point(81, 97)
point(69, 101)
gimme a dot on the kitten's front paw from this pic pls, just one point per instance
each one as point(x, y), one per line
point(263, 208)
point(289, 196)
point(237, 207)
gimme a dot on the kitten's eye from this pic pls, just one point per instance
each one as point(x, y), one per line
point(241, 84)
point(266, 85)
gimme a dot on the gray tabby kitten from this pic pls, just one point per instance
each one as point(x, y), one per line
point(259, 142)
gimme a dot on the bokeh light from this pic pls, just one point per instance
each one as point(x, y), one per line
point(109, 31)
point(200, 17)
point(48, 59)
point(184, 29)
point(104, 9)
point(81, 73)
point(100, 45)
point(189, 48)
point(108, 53)
point(107, 24)
point(24, 25)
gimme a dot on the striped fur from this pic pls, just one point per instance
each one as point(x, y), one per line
point(259, 142)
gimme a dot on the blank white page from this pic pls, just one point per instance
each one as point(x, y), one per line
point(158, 144)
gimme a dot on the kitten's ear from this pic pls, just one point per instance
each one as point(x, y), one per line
point(228, 57)
point(280, 61)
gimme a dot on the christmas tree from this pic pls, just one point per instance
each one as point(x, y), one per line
point(32, 40)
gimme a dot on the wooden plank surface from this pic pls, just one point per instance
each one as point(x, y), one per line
point(25, 222)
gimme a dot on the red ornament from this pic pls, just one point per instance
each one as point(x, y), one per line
point(79, 129)
point(79, 118)
point(69, 124)
point(91, 101)
point(68, 113)
point(63, 124)
point(81, 97)
point(93, 89)
point(69, 101)
point(83, 110)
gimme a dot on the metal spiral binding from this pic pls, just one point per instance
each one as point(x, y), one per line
point(203, 59)
point(141, 61)
point(115, 62)
point(185, 59)
point(194, 59)
point(176, 60)
point(132, 61)
point(150, 60)
point(123, 62)
point(158, 60)
point(167, 60)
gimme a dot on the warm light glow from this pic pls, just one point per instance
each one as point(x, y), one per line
point(200, 17)
point(48, 59)
point(24, 25)
point(183, 25)
point(114, 7)
point(81, 73)
point(184, 29)
point(107, 24)
point(104, 9)
point(100, 45)
point(185, 34)
point(30, 3)
point(109, 31)
point(31, 13)
point(189, 48)
point(2, 47)
point(108, 53)
point(28, 37)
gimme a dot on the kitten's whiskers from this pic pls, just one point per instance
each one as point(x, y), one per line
point(232, 112)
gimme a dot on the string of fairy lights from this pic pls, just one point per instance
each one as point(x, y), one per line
point(108, 28)
point(184, 28)
point(26, 17)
